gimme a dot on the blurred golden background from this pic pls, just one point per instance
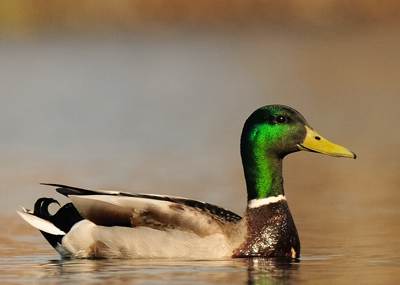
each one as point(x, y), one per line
point(151, 96)
point(30, 17)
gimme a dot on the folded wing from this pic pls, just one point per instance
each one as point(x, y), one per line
point(113, 208)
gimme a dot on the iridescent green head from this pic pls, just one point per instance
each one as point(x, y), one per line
point(274, 129)
point(269, 134)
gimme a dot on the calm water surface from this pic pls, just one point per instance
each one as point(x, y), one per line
point(26, 258)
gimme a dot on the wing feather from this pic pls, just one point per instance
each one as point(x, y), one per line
point(220, 213)
point(134, 212)
point(115, 208)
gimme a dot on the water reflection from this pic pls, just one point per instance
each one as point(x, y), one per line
point(121, 271)
point(270, 271)
point(44, 269)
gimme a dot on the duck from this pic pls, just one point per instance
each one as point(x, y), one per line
point(114, 224)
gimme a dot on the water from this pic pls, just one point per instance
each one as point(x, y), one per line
point(28, 260)
point(163, 114)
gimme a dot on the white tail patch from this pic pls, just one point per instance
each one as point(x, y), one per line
point(40, 223)
point(255, 203)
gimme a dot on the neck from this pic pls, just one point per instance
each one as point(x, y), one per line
point(262, 170)
point(263, 177)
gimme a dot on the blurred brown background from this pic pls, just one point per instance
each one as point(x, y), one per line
point(150, 96)
point(29, 17)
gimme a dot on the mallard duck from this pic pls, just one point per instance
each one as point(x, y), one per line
point(107, 224)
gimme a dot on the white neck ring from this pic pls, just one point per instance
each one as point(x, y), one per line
point(255, 203)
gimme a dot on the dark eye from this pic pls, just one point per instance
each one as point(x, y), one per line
point(281, 119)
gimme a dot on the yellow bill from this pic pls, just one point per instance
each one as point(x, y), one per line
point(316, 143)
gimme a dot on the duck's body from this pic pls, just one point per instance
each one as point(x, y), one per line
point(110, 224)
point(115, 224)
point(122, 225)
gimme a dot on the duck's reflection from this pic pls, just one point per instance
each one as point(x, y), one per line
point(234, 271)
point(270, 271)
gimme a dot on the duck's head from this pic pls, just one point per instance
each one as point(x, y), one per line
point(269, 134)
point(278, 130)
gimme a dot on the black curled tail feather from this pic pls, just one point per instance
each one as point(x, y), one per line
point(63, 219)
point(41, 208)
